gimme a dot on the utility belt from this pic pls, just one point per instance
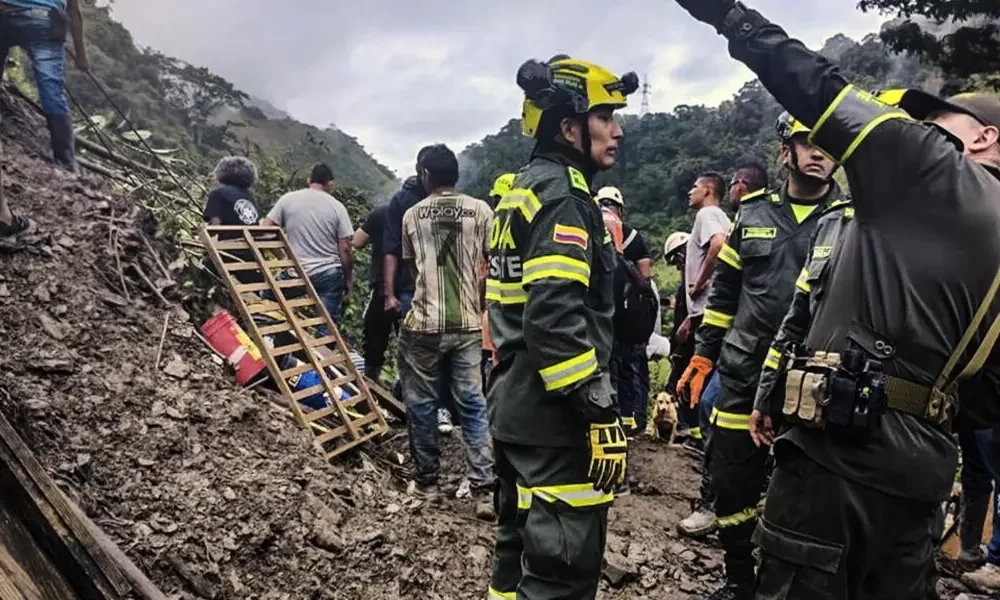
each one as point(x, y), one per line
point(850, 392)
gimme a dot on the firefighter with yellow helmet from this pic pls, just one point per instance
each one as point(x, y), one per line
point(752, 287)
point(501, 185)
point(559, 443)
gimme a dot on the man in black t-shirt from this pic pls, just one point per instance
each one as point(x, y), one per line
point(378, 324)
point(633, 364)
point(232, 204)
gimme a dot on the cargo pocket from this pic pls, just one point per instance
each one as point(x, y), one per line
point(565, 542)
point(796, 566)
point(740, 361)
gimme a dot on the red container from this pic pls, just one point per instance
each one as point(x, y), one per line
point(228, 338)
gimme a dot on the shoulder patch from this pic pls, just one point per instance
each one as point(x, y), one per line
point(574, 236)
point(578, 181)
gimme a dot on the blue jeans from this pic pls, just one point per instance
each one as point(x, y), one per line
point(330, 289)
point(29, 29)
point(420, 357)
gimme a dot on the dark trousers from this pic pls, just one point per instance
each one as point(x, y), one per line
point(378, 329)
point(551, 525)
point(739, 471)
point(633, 386)
point(824, 537)
point(680, 357)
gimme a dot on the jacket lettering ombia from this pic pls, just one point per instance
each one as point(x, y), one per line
point(752, 287)
point(551, 301)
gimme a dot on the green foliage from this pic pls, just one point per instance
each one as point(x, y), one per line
point(199, 115)
point(961, 37)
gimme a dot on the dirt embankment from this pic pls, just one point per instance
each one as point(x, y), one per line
point(213, 491)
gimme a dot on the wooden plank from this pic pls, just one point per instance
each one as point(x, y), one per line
point(386, 399)
point(56, 526)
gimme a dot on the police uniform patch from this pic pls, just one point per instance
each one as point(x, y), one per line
point(765, 233)
point(574, 236)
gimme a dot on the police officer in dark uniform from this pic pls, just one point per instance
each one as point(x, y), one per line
point(907, 313)
point(754, 282)
point(559, 444)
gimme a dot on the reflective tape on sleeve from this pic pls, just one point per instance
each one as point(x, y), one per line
point(731, 257)
point(849, 119)
point(802, 282)
point(498, 595)
point(556, 266)
point(747, 514)
point(569, 371)
point(718, 319)
point(773, 360)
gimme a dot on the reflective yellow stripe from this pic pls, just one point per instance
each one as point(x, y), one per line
point(773, 360)
point(505, 292)
point(577, 495)
point(728, 420)
point(747, 514)
point(497, 595)
point(868, 129)
point(569, 371)
point(731, 257)
point(628, 421)
point(695, 432)
point(523, 200)
point(849, 213)
point(802, 282)
point(556, 266)
point(860, 99)
point(718, 319)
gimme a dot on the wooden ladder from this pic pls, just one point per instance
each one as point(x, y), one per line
point(340, 426)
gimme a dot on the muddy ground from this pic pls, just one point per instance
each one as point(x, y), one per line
point(215, 492)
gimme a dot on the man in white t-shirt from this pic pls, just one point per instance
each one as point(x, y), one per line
point(319, 232)
point(711, 225)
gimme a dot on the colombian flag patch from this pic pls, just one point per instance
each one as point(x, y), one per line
point(574, 236)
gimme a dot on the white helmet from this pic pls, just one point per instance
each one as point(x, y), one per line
point(611, 194)
point(675, 242)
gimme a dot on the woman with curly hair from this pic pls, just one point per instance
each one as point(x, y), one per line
point(232, 204)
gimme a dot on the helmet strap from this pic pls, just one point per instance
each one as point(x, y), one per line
point(796, 172)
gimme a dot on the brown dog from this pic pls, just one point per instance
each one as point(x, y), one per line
point(665, 418)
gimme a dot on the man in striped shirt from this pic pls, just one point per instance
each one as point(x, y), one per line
point(445, 238)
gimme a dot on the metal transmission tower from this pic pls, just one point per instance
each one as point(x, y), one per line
point(645, 97)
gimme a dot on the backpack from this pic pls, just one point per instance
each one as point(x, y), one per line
point(636, 304)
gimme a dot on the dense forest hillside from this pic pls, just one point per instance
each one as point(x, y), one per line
point(662, 153)
point(195, 116)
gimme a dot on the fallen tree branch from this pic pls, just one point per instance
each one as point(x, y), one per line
point(145, 279)
point(156, 257)
point(163, 338)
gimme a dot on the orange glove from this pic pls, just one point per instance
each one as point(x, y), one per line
point(694, 378)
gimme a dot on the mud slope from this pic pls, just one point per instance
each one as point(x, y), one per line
point(209, 489)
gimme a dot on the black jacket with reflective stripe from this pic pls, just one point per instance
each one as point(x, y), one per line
point(913, 269)
point(551, 303)
point(752, 287)
point(809, 291)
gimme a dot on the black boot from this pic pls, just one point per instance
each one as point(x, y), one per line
point(971, 519)
point(63, 142)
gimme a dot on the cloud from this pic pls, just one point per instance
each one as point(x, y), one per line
point(398, 74)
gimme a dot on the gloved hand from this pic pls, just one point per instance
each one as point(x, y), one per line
point(608, 450)
point(708, 11)
point(693, 380)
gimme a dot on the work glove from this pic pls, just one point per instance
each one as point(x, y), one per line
point(708, 11)
point(693, 380)
point(608, 452)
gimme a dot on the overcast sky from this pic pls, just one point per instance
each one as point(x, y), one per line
point(398, 74)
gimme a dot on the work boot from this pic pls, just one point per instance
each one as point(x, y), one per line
point(444, 421)
point(63, 142)
point(985, 579)
point(971, 519)
point(700, 523)
point(731, 591)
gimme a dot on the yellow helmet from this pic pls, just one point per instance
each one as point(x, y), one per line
point(574, 85)
point(502, 184)
point(611, 194)
point(788, 126)
point(890, 97)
